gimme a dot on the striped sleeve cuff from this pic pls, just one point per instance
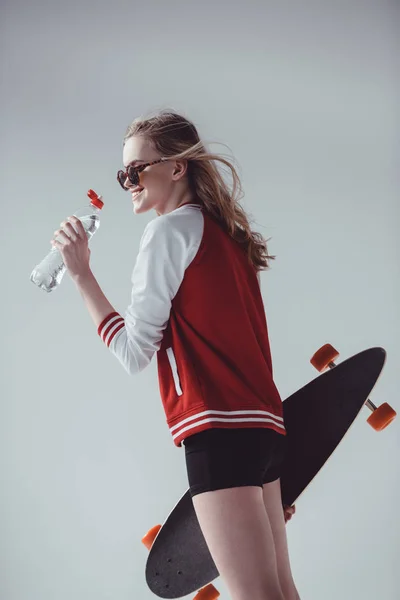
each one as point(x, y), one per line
point(109, 327)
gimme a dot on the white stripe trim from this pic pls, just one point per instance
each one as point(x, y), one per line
point(111, 332)
point(108, 323)
point(221, 420)
point(225, 412)
point(174, 369)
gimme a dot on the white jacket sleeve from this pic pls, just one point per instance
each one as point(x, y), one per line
point(165, 252)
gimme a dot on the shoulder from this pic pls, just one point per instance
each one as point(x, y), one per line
point(184, 225)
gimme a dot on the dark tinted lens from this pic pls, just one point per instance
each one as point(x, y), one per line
point(133, 176)
point(121, 176)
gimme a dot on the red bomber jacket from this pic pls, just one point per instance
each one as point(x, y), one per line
point(196, 302)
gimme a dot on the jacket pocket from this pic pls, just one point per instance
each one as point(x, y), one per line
point(174, 369)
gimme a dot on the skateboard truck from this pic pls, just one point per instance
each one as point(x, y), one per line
point(381, 416)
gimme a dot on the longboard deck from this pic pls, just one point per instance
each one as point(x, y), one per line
point(316, 419)
point(319, 415)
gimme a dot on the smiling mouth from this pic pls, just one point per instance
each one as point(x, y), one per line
point(136, 194)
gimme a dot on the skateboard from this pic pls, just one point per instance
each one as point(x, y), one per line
point(316, 419)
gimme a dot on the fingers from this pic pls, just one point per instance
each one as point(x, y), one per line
point(288, 512)
point(67, 234)
point(78, 226)
point(71, 229)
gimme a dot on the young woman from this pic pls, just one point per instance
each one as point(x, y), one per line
point(196, 301)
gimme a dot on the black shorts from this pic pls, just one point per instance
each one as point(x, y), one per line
point(225, 458)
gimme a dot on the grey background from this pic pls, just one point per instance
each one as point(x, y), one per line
point(306, 97)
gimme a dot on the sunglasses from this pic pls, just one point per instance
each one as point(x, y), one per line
point(132, 173)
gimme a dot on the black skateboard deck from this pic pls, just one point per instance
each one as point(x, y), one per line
point(316, 419)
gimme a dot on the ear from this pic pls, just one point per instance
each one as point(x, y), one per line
point(179, 170)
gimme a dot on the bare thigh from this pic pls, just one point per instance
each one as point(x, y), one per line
point(239, 536)
point(273, 506)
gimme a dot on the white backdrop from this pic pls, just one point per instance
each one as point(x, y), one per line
point(306, 97)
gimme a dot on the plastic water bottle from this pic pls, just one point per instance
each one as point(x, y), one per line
point(50, 271)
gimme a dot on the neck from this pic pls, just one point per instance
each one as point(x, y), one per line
point(182, 197)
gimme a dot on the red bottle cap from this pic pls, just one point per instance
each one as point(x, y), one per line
point(95, 199)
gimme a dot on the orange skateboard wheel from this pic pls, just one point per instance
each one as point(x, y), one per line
point(382, 417)
point(323, 357)
point(150, 536)
point(207, 593)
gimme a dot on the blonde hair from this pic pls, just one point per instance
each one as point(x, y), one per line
point(175, 137)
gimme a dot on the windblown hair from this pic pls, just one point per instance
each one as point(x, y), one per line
point(175, 137)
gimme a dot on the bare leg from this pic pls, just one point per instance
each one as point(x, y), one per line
point(238, 533)
point(273, 506)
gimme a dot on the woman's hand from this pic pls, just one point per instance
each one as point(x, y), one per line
point(74, 247)
point(288, 512)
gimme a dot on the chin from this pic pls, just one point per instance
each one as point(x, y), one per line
point(141, 207)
